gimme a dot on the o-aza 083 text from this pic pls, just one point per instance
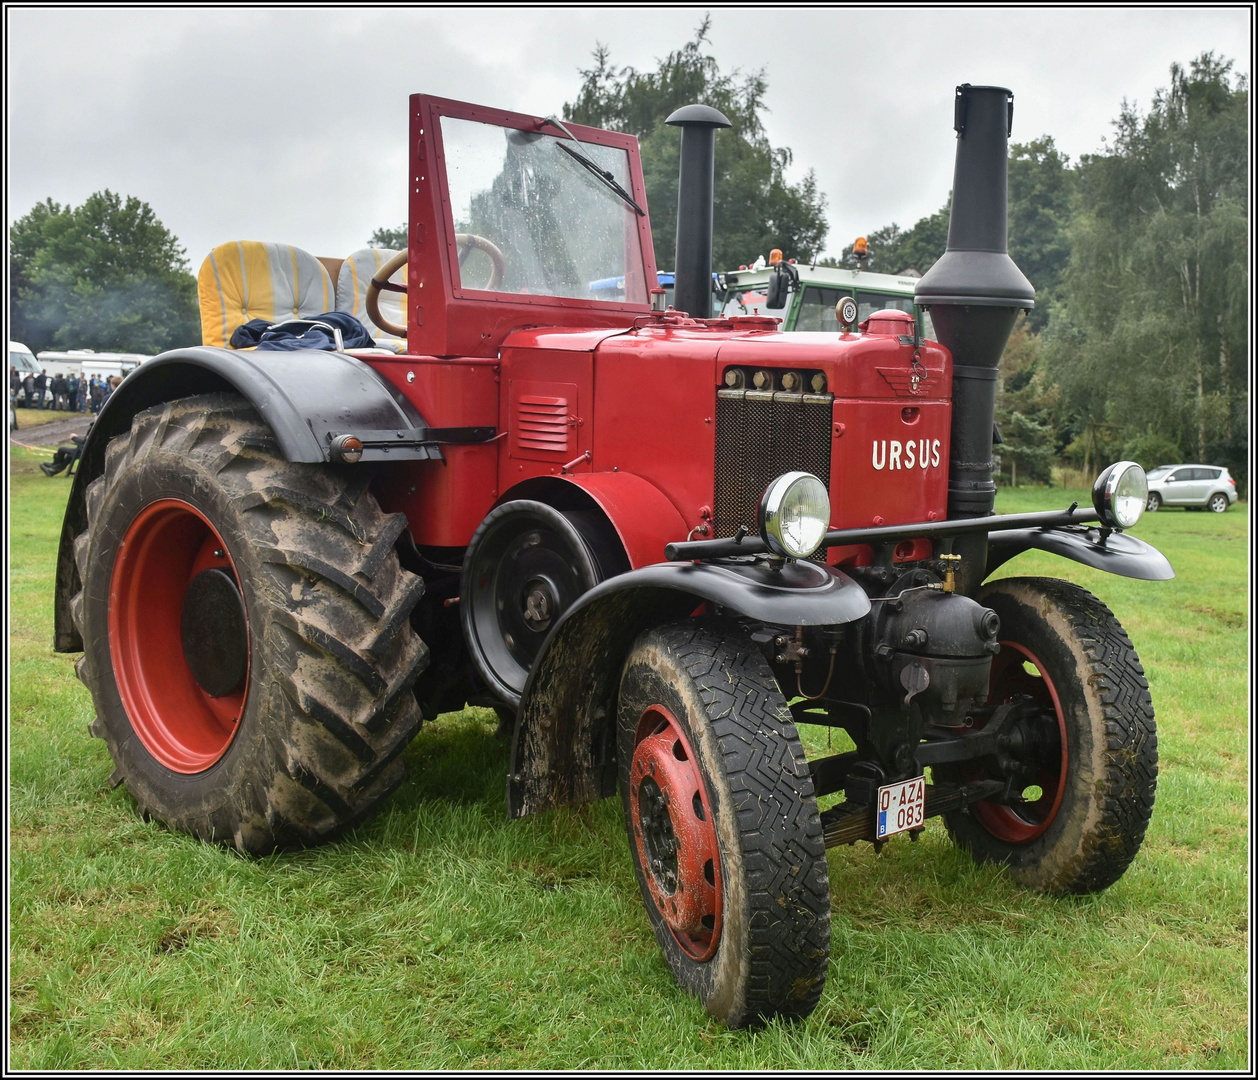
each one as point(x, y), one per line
point(901, 806)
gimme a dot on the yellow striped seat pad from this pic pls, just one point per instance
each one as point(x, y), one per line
point(249, 279)
point(351, 293)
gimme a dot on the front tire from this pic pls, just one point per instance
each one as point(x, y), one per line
point(1096, 769)
point(1155, 502)
point(246, 630)
point(723, 825)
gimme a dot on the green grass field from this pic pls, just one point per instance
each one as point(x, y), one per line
point(441, 935)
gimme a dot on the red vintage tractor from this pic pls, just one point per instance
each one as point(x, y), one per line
point(655, 541)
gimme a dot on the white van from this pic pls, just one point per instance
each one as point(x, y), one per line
point(21, 358)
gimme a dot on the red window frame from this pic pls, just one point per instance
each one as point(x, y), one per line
point(434, 108)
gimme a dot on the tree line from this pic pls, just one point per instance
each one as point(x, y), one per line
point(1137, 346)
point(105, 275)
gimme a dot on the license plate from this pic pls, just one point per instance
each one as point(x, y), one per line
point(901, 807)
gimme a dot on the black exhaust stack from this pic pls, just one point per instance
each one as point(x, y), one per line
point(974, 293)
point(692, 288)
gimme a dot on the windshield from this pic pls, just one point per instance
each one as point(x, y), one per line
point(23, 361)
point(530, 218)
point(817, 308)
point(1159, 472)
point(750, 300)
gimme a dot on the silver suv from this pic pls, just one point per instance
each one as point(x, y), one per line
point(1191, 485)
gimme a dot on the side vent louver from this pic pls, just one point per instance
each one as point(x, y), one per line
point(541, 423)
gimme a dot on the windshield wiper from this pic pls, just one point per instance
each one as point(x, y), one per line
point(581, 158)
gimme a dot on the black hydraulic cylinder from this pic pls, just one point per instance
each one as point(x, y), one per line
point(693, 267)
point(974, 293)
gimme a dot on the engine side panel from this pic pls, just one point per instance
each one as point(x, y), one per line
point(655, 399)
point(445, 501)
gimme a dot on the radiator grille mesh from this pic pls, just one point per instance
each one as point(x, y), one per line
point(761, 434)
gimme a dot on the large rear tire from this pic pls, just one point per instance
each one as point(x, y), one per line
point(1095, 742)
point(246, 630)
point(723, 825)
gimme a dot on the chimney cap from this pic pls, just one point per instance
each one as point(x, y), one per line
point(698, 116)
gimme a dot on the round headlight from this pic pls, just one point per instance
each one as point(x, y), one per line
point(1120, 494)
point(794, 514)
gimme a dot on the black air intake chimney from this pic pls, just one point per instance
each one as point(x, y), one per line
point(974, 293)
point(693, 268)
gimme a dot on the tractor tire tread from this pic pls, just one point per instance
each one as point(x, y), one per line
point(1126, 791)
point(301, 560)
point(340, 653)
point(783, 850)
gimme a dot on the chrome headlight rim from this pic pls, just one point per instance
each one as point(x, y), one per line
point(774, 513)
point(1121, 494)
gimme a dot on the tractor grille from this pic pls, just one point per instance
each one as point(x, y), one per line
point(761, 434)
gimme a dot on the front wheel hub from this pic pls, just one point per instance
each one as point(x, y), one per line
point(1037, 743)
point(539, 604)
point(674, 833)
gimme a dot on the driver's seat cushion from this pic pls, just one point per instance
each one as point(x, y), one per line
point(351, 294)
point(249, 279)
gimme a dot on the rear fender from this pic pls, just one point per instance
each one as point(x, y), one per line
point(563, 751)
point(302, 395)
point(1118, 553)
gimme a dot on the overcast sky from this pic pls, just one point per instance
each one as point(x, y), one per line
point(290, 125)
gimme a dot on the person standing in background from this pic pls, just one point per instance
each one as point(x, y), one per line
point(41, 384)
point(72, 392)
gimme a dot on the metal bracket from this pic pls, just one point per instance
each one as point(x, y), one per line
point(413, 438)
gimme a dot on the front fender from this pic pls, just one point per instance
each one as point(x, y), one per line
point(563, 752)
point(301, 395)
point(1117, 553)
point(640, 513)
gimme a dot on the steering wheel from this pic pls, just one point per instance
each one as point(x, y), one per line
point(466, 241)
point(380, 282)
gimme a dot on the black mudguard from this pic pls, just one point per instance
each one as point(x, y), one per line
point(302, 395)
point(1116, 553)
point(563, 752)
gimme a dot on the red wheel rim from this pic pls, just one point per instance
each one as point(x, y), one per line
point(674, 833)
point(1023, 823)
point(165, 547)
